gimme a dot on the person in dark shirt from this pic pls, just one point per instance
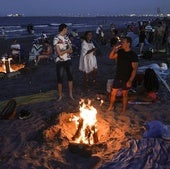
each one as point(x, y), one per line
point(127, 63)
point(142, 37)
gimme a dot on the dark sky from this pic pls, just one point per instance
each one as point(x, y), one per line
point(82, 7)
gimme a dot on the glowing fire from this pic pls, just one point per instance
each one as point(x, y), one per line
point(8, 67)
point(86, 124)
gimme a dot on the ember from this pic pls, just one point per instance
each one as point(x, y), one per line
point(86, 124)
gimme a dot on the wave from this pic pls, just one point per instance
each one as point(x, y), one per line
point(41, 26)
point(17, 27)
point(54, 24)
point(10, 27)
point(15, 30)
point(57, 24)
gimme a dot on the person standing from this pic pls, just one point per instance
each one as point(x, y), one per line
point(142, 37)
point(158, 36)
point(127, 63)
point(100, 34)
point(115, 38)
point(88, 62)
point(63, 50)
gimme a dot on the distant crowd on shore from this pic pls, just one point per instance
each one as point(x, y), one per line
point(154, 35)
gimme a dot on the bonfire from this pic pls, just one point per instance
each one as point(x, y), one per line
point(6, 66)
point(89, 132)
point(86, 124)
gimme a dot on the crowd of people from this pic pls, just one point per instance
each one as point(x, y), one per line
point(121, 50)
point(63, 46)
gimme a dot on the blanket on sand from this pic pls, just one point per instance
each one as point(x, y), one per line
point(142, 154)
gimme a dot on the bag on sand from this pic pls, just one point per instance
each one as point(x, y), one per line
point(151, 82)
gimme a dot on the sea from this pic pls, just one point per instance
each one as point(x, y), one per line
point(16, 27)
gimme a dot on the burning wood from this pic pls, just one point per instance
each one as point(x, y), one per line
point(7, 67)
point(86, 124)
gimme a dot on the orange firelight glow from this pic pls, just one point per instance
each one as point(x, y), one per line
point(88, 126)
point(12, 67)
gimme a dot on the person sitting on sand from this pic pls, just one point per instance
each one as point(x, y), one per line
point(147, 91)
point(44, 37)
point(35, 50)
point(46, 52)
point(15, 51)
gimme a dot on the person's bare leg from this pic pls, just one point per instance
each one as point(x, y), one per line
point(40, 57)
point(94, 75)
point(86, 80)
point(70, 86)
point(112, 99)
point(87, 77)
point(125, 100)
point(37, 61)
point(60, 91)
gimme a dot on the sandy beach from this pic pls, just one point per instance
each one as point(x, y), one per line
point(43, 140)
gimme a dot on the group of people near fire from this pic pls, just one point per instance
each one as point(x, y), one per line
point(121, 50)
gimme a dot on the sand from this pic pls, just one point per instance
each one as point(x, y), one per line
point(43, 140)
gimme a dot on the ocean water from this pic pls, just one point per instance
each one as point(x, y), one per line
point(16, 27)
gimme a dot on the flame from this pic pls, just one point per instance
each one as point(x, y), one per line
point(88, 120)
point(12, 68)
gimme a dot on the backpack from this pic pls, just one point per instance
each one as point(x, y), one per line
point(150, 81)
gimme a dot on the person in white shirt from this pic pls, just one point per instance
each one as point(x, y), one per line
point(100, 35)
point(88, 62)
point(63, 50)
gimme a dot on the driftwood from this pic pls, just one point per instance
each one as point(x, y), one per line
point(77, 134)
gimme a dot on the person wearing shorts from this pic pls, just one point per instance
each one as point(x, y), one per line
point(127, 63)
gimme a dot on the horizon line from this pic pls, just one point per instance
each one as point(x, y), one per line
point(120, 15)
